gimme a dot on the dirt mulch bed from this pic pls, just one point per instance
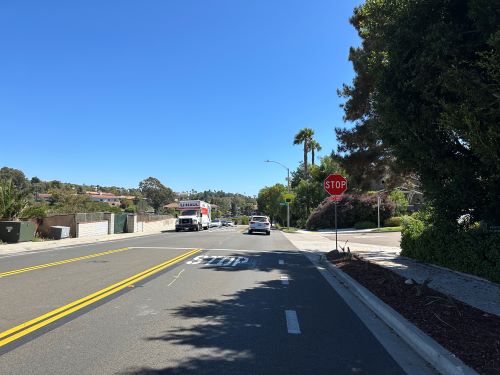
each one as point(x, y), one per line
point(469, 333)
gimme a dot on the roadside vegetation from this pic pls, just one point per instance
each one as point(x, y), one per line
point(440, 126)
point(423, 109)
point(22, 198)
point(469, 333)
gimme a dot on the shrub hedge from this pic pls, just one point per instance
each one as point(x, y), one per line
point(394, 221)
point(243, 220)
point(365, 225)
point(350, 210)
point(470, 250)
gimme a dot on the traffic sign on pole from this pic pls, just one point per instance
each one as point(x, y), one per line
point(335, 185)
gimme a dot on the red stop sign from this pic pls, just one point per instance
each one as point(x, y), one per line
point(335, 184)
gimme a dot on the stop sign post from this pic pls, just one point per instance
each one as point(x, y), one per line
point(335, 185)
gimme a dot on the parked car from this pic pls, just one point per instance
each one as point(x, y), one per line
point(215, 223)
point(259, 224)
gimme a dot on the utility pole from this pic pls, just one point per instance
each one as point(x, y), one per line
point(288, 181)
point(378, 210)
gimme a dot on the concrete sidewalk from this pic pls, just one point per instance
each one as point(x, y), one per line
point(477, 292)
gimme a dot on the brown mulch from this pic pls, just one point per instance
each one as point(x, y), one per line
point(471, 334)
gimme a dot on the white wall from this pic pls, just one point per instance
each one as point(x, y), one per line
point(98, 228)
point(167, 224)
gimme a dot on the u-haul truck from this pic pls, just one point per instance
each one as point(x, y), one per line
point(195, 215)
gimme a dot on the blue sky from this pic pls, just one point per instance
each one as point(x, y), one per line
point(195, 93)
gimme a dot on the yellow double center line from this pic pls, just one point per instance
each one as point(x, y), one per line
point(58, 263)
point(32, 325)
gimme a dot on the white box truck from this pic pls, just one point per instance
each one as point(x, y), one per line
point(194, 215)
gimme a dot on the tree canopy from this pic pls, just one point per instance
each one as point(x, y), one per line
point(269, 200)
point(17, 177)
point(305, 138)
point(156, 193)
point(426, 99)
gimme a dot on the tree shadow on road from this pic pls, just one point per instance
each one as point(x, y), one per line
point(246, 332)
point(257, 261)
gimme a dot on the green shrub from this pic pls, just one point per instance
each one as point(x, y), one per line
point(12, 201)
point(244, 220)
point(394, 221)
point(470, 250)
point(400, 202)
point(301, 223)
point(365, 225)
point(350, 210)
point(36, 211)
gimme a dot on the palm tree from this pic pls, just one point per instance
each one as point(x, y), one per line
point(304, 136)
point(12, 201)
point(314, 146)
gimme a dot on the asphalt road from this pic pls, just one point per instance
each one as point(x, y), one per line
point(218, 302)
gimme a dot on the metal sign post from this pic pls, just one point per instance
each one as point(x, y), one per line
point(288, 199)
point(336, 248)
point(335, 185)
point(336, 199)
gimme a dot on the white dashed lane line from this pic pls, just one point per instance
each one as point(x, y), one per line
point(292, 322)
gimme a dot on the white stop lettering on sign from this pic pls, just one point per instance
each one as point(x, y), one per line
point(335, 184)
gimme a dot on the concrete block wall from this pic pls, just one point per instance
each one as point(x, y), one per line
point(167, 224)
point(110, 217)
point(98, 228)
point(132, 223)
point(140, 226)
point(63, 220)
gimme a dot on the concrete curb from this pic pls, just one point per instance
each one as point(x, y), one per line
point(432, 352)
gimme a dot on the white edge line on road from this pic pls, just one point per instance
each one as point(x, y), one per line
point(399, 350)
point(292, 322)
point(284, 279)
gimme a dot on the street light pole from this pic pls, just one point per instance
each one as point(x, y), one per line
point(378, 210)
point(378, 206)
point(288, 188)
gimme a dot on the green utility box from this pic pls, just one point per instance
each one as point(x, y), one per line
point(17, 231)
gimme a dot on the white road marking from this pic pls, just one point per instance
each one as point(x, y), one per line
point(196, 260)
point(292, 322)
point(284, 280)
point(294, 252)
point(213, 258)
point(240, 260)
point(223, 261)
point(176, 277)
point(281, 261)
